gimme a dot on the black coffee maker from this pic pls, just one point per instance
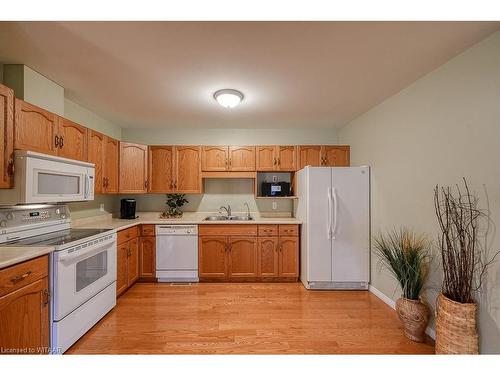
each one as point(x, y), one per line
point(127, 208)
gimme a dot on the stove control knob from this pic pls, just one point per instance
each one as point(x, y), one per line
point(62, 216)
point(10, 216)
point(58, 211)
point(3, 223)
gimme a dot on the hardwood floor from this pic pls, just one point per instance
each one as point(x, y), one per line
point(247, 318)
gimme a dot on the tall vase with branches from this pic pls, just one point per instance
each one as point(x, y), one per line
point(465, 262)
point(406, 255)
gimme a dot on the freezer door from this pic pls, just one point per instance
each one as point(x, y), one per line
point(351, 224)
point(318, 225)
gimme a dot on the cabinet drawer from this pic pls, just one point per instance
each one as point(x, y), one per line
point(19, 275)
point(127, 234)
point(228, 230)
point(268, 230)
point(289, 230)
point(147, 230)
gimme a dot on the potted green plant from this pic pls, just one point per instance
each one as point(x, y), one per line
point(465, 262)
point(406, 255)
point(174, 205)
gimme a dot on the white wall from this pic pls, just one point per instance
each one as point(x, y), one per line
point(444, 126)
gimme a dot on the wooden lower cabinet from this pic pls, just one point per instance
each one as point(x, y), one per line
point(133, 261)
point(232, 254)
point(24, 308)
point(121, 268)
point(147, 257)
point(127, 262)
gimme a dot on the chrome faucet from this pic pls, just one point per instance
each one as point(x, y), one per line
point(248, 209)
point(228, 210)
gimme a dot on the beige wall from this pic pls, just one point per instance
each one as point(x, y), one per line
point(230, 136)
point(444, 126)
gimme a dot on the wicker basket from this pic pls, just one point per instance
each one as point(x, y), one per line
point(456, 331)
point(414, 315)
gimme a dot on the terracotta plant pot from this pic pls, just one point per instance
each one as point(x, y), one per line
point(414, 315)
point(456, 330)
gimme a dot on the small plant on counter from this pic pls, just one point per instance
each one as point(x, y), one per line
point(406, 255)
point(174, 205)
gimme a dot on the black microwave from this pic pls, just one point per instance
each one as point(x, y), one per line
point(276, 189)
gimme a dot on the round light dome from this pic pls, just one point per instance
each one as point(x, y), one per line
point(228, 98)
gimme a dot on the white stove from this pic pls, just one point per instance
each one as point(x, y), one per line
point(82, 266)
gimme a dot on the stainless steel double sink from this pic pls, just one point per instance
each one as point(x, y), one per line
point(228, 218)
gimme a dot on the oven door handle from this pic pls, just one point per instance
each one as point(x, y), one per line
point(72, 258)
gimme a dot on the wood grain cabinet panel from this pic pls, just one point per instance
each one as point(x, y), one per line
point(241, 158)
point(24, 318)
point(268, 256)
point(72, 140)
point(96, 148)
point(35, 129)
point(133, 168)
point(214, 158)
point(161, 169)
point(286, 158)
point(288, 256)
point(22, 274)
point(212, 253)
point(266, 158)
point(147, 258)
point(243, 257)
point(6, 137)
point(111, 165)
point(122, 268)
point(309, 155)
point(335, 156)
point(133, 261)
point(188, 169)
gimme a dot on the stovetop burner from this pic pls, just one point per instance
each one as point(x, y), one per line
point(58, 238)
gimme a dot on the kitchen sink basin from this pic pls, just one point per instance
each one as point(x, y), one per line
point(227, 218)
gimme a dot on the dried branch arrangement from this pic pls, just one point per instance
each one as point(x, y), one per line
point(464, 260)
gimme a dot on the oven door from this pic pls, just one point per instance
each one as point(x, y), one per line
point(55, 181)
point(81, 272)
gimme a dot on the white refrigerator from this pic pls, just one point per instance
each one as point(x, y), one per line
point(334, 207)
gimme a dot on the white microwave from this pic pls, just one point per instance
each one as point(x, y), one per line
point(40, 178)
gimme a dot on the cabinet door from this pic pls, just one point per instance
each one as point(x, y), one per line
point(111, 165)
point(309, 155)
point(161, 172)
point(121, 267)
point(35, 129)
point(188, 169)
point(24, 318)
point(242, 158)
point(288, 256)
point(72, 140)
point(268, 256)
point(133, 168)
point(243, 257)
point(214, 158)
point(266, 158)
point(133, 261)
point(6, 136)
point(335, 156)
point(147, 258)
point(287, 158)
point(96, 145)
point(212, 254)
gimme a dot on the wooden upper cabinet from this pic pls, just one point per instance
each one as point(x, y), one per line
point(133, 168)
point(188, 169)
point(335, 156)
point(161, 169)
point(6, 136)
point(286, 158)
point(72, 140)
point(212, 256)
point(35, 129)
point(214, 158)
point(266, 158)
point(111, 165)
point(309, 155)
point(96, 146)
point(241, 158)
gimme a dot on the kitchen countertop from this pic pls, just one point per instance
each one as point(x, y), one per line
point(10, 255)
point(187, 218)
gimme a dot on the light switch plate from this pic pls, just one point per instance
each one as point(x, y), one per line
point(275, 205)
point(101, 207)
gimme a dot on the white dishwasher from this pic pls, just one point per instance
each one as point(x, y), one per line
point(177, 253)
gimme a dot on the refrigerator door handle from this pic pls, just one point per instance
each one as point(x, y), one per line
point(329, 228)
point(335, 205)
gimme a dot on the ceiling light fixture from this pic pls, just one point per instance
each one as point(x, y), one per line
point(228, 98)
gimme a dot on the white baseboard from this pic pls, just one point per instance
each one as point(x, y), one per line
point(390, 302)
